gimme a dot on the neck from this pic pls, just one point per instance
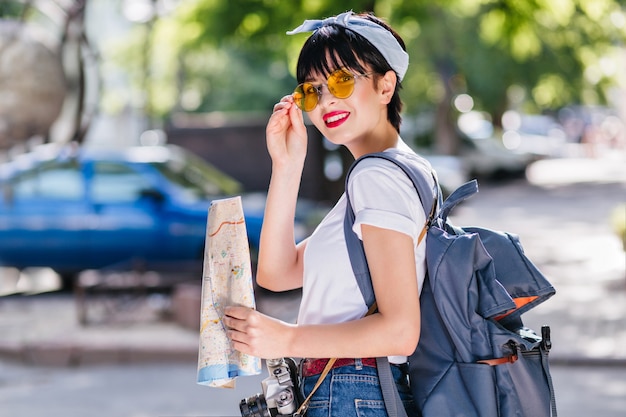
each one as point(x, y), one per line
point(376, 142)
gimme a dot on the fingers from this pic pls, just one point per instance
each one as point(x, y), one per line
point(296, 116)
point(237, 312)
point(256, 334)
point(236, 318)
point(235, 321)
point(280, 120)
point(284, 105)
point(286, 134)
point(244, 329)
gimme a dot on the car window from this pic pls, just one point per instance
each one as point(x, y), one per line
point(197, 178)
point(116, 183)
point(206, 175)
point(54, 180)
point(187, 181)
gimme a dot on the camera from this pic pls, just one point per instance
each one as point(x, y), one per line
point(281, 392)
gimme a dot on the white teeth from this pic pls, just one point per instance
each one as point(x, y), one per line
point(335, 118)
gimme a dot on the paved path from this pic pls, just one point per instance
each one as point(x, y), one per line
point(566, 231)
point(170, 390)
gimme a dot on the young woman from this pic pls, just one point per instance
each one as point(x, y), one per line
point(350, 70)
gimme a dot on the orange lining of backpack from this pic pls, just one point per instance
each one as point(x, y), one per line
point(519, 303)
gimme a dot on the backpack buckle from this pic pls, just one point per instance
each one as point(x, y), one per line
point(546, 342)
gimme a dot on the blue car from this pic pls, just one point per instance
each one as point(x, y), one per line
point(73, 208)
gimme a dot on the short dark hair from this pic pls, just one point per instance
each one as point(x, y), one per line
point(347, 49)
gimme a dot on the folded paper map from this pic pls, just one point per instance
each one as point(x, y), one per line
point(226, 280)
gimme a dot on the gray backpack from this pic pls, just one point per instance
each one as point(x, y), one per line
point(475, 357)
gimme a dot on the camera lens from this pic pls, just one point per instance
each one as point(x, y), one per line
point(254, 406)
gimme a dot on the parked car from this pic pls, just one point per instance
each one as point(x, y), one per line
point(484, 153)
point(451, 171)
point(73, 208)
point(486, 157)
point(538, 135)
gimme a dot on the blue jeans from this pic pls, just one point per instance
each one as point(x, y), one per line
point(355, 391)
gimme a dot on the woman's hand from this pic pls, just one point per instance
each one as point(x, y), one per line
point(279, 263)
point(256, 334)
point(286, 134)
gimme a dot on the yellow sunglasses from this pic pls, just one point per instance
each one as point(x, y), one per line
point(340, 83)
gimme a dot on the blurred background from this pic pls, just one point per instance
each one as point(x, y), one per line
point(121, 120)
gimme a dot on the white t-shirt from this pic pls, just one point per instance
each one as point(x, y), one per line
point(382, 196)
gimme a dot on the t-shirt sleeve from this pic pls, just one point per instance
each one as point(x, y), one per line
point(383, 196)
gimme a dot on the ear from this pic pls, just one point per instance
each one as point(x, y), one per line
point(387, 86)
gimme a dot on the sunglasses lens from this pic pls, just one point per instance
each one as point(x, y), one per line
point(341, 83)
point(305, 96)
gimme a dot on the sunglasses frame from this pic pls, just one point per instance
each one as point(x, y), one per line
point(299, 90)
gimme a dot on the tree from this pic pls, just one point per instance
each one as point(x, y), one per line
point(551, 50)
point(220, 55)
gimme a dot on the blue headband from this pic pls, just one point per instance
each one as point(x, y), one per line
point(381, 38)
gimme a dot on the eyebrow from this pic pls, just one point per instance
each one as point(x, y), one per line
point(324, 76)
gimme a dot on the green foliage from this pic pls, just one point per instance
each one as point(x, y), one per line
point(10, 9)
point(558, 52)
point(222, 55)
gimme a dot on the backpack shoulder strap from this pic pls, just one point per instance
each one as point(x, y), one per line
point(429, 195)
point(430, 198)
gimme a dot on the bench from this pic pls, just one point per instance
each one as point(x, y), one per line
point(131, 292)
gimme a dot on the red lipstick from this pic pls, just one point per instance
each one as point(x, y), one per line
point(335, 118)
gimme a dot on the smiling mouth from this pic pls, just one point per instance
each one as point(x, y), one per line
point(336, 118)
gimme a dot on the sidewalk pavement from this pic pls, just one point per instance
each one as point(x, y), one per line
point(563, 225)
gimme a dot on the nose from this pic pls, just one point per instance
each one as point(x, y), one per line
point(324, 94)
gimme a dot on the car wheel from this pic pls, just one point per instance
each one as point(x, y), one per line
point(68, 279)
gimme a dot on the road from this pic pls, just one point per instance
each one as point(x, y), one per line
point(169, 390)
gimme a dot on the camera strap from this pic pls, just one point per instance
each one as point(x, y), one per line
point(305, 404)
point(329, 365)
